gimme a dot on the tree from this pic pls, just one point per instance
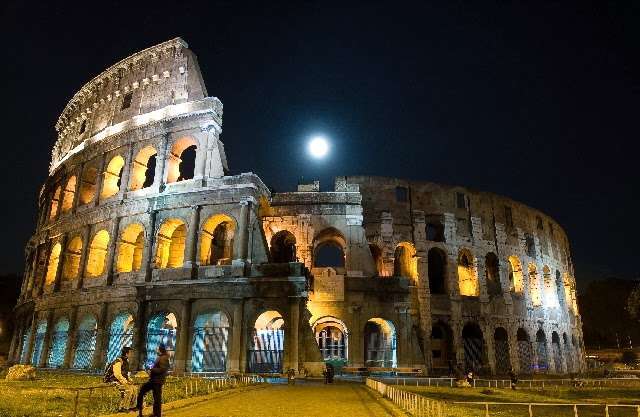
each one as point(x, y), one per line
point(633, 303)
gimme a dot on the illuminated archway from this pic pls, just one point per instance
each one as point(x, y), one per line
point(38, 343)
point(88, 184)
point(376, 254)
point(332, 338)
point(55, 202)
point(210, 342)
point(550, 294)
point(72, 257)
point(112, 177)
point(170, 244)
point(266, 347)
point(181, 160)
point(329, 249)
point(404, 261)
point(52, 264)
point(120, 335)
point(541, 348)
point(283, 247)
point(216, 240)
point(162, 329)
point(380, 344)
point(69, 194)
point(515, 275)
point(492, 274)
point(59, 338)
point(130, 248)
point(97, 254)
point(85, 342)
point(467, 277)
point(143, 170)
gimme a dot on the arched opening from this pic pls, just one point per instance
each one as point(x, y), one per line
point(88, 184)
point(38, 343)
point(380, 344)
point(473, 343)
point(210, 342)
point(85, 342)
point(112, 177)
point(501, 348)
point(567, 353)
point(332, 336)
point(266, 347)
point(120, 335)
point(130, 248)
point(534, 287)
point(435, 231)
point(170, 244)
point(376, 254)
point(97, 254)
point(143, 170)
point(161, 330)
point(437, 264)
point(404, 261)
point(525, 355)
point(492, 274)
point(283, 247)
point(515, 275)
point(72, 256)
point(329, 249)
point(69, 194)
point(541, 350)
point(557, 352)
point(467, 278)
point(441, 345)
point(59, 338)
point(181, 160)
point(55, 202)
point(550, 297)
point(216, 240)
point(52, 264)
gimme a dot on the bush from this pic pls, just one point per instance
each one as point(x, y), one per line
point(629, 357)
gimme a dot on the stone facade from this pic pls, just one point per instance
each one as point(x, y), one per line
point(143, 237)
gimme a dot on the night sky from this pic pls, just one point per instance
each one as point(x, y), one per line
point(532, 101)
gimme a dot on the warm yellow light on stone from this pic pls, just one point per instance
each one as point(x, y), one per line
point(171, 241)
point(174, 158)
point(516, 274)
point(69, 193)
point(88, 184)
point(139, 168)
point(467, 277)
point(53, 208)
point(52, 266)
point(130, 248)
point(72, 256)
point(405, 264)
point(97, 254)
point(534, 287)
point(112, 176)
point(216, 241)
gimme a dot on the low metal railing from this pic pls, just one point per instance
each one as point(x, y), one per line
point(522, 383)
point(414, 404)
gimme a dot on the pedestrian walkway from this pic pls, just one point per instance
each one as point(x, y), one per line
point(306, 399)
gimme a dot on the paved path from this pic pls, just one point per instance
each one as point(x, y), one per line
point(309, 399)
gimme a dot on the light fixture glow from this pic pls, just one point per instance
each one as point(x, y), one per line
point(318, 147)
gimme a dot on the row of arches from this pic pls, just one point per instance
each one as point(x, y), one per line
point(180, 165)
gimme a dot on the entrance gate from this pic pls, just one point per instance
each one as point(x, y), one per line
point(210, 349)
point(266, 354)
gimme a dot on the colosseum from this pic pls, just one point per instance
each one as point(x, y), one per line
point(144, 237)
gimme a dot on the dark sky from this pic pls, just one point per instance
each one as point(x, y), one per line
point(533, 101)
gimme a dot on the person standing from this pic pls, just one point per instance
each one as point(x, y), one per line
point(119, 375)
point(157, 377)
point(514, 379)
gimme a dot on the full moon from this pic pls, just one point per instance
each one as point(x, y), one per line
point(318, 147)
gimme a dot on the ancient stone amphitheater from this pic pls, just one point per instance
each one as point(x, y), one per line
point(144, 237)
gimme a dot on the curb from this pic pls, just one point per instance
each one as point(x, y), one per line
point(186, 402)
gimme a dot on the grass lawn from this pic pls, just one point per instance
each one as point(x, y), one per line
point(550, 395)
point(36, 399)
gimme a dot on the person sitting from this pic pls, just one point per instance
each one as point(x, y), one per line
point(119, 375)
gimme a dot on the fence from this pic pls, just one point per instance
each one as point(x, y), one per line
point(530, 407)
point(414, 404)
point(104, 398)
point(522, 383)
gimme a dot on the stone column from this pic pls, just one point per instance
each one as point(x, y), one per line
point(99, 179)
point(214, 158)
point(293, 329)
point(63, 249)
point(126, 173)
point(102, 337)
point(356, 343)
point(403, 329)
point(76, 194)
point(243, 230)
point(147, 250)
point(490, 347)
point(15, 338)
point(182, 347)
point(424, 307)
point(457, 343)
point(161, 157)
point(71, 338)
point(44, 355)
point(86, 234)
point(237, 346)
point(111, 250)
point(512, 330)
point(32, 337)
point(139, 336)
point(191, 250)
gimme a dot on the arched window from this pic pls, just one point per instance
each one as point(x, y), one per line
point(131, 248)
point(525, 354)
point(69, 193)
point(120, 335)
point(435, 231)
point(181, 160)
point(112, 177)
point(97, 254)
point(515, 275)
point(38, 343)
point(283, 247)
point(266, 347)
point(473, 343)
point(541, 347)
point(376, 254)
point(72, 256)
point(404, 261)
point(534, 286)
point(501, 348)
point(85, 342)
point(52, 264)
point(557, 351)
point(162, 329)
point(437, 264)
point(331, 337)
point(210, 342)
point(59, 338)
point(170, 244)
point(216, 240)
point(380, 344)
point(143, 170)
point(467, 278)
point(329, 247)
point(55, 202)
point(551, 299)
point(88, 184)
point(492, 274)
